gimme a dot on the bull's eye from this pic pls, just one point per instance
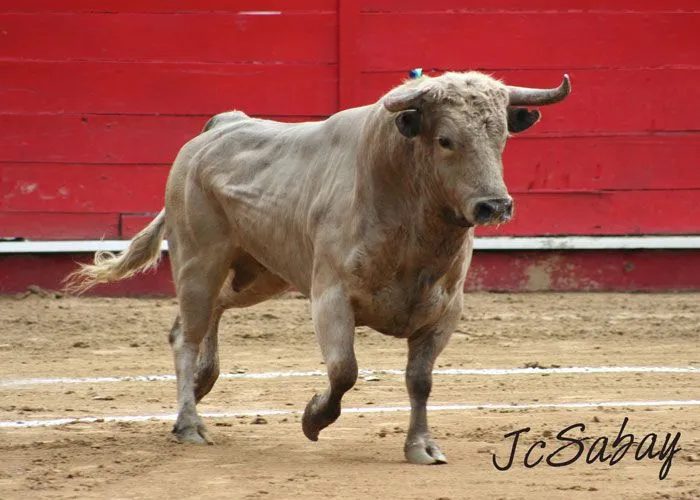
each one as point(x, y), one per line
point(445, 142)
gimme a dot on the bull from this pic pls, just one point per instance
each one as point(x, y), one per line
point(369, 213)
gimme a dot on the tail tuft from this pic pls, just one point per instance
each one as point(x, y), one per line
point(142, 254)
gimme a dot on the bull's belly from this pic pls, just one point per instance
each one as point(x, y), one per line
point(284, 255)
point(394, 312)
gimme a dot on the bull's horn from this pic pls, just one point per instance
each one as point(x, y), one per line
point(404, 98)
point(522, 96)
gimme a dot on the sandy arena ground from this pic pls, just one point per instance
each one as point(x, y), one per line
point(360, 456)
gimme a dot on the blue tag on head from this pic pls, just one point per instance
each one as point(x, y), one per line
point(415, 73)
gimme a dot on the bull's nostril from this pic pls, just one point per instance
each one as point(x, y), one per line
point(493, 210)
point(484, 211)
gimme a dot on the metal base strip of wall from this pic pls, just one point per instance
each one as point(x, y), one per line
point(501, 243)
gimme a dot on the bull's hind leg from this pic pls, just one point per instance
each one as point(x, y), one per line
point(199, 281)
point(207, 372)
point(334, 323)
point(259, 287)
point(200, 264)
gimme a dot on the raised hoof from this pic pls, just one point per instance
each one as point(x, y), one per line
point(423, 454)
point(316, 418)
point(192, 435)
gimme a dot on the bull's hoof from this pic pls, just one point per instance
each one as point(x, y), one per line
point(192, 434)
point(424, 452)
point(317, 417)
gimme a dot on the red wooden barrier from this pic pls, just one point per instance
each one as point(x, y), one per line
point(96, 98)
point(59, 226)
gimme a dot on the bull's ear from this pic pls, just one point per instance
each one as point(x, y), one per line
point(409, 122)
point(520, 119)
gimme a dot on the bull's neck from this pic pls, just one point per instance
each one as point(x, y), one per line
point(395, 187)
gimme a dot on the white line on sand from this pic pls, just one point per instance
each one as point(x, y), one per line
point(370, 409)
point(318, 373)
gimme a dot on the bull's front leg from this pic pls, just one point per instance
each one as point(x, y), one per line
point(423, 350)
point(334, 323)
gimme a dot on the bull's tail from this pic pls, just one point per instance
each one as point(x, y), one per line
point(142, 254)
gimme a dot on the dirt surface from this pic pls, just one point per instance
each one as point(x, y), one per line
point(360, 456)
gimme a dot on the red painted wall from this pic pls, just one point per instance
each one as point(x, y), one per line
point(97, 97)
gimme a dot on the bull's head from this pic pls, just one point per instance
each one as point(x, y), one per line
point(459, 123)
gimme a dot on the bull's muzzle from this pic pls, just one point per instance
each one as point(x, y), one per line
point(493, 211)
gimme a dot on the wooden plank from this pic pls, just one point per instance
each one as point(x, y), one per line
point(490, 271)
point(167, 88)
point(644, 100)
point(95, 139)
point(308, 38)
point(601, 213)
point(537, 176)
point(78, 138)
point(531, 164)
point(17, 272)
point(602, 101)
point(82, 188)
point(580, 163)
point(634, 160)
point(603, 163)
point(530, 5)
point(59, 226)
point(543, 39)
point(645, 271)
point(171, 6)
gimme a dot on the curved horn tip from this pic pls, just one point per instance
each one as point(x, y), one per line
point(566, 83)
point(523, 96)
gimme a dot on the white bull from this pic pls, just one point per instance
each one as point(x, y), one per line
point(370, 213)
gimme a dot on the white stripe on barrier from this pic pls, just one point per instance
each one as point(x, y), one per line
point(370, 409)
point(480, 243)
point(363, 372)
